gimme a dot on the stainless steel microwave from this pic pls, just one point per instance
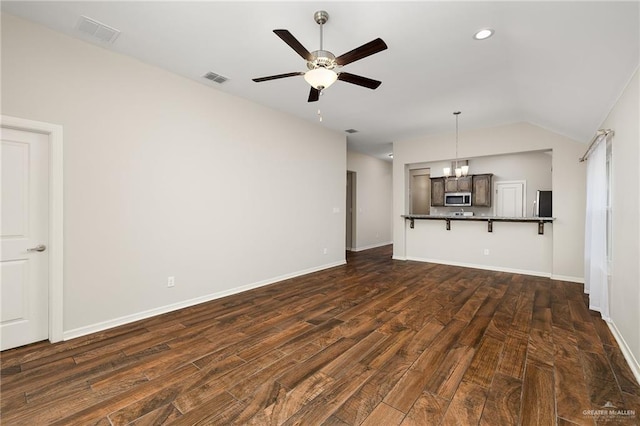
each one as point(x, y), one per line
point(457, 199)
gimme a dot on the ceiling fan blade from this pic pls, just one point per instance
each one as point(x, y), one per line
point(274, 77)
point(288, 38)
point(363, 51)
point(314, 95)
point(359, 80)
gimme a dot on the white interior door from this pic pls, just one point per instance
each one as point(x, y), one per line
point(24, 262)
point(510, 199)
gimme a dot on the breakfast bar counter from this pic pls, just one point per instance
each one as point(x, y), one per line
point(489, 219)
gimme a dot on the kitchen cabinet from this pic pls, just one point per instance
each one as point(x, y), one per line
point(437, 192)
point(481, 191)
point(461, 184)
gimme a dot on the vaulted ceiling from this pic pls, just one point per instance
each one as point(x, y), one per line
point(559, 65)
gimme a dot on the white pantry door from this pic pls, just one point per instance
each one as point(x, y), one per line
point(509, 199)
point(24, 295)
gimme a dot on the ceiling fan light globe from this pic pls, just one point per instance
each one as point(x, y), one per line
point(320, 78)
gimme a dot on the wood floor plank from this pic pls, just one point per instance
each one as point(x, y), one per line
point(320, 408)
point(601, 382)
point(514, 355)
point(197, 393)
point(384, 415)
point(622, 371)
point(585, 333)
point(540, 348)
point(632, 403)
point(375, 341)
point(293, 377)
point(390, 365)
point(466, 406)
point(428, 409)
point(162, 415)
point(474, 332)
point(484, 363)
point(538, 399)
point(206, 412)
point(503, 402)
point(410, 386)
point(144, 406)
point(245, 388)
point(450, 373)
point(288, 402)
point(342, 364)
point(523, 312)
point(561, 316)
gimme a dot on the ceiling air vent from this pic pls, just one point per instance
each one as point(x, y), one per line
point(215, 77)
point(97, 30)
point(351, 131)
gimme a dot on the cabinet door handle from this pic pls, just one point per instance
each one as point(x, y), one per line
point(40, 247)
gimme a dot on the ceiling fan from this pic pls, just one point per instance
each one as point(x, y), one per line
point(322, 63)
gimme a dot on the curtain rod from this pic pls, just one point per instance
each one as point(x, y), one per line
point(606, 133)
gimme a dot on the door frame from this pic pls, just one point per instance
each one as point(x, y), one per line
point(56, 208)
point(354, 217)
point(422, 171)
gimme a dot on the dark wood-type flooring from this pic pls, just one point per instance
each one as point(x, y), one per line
point(375, 342)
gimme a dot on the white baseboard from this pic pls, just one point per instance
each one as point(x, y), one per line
point(579, 280)
point(626, 351)
point(399, 257)
point(484, 267)
point(105, 325)
point(371, 246)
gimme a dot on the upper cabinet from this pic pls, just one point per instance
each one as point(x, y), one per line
point(437, 192)
point(461, 184)
point(481, 192)
point(478, 185)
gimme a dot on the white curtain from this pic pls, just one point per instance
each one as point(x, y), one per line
point(595, 256)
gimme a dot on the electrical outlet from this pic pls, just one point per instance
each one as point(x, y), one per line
point(486, 252)
point(171, 281)
point(324, 251)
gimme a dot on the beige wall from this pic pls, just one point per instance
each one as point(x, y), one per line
point(167, 177)
point(625, 274)
point(373, 200)
point(568, 182)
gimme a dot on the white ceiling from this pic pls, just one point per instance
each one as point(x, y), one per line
point(559, 65)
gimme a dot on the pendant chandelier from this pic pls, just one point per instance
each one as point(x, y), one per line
point(461, 170)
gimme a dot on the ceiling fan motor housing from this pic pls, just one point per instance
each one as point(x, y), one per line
point(322, 58)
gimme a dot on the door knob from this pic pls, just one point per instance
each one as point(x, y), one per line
point(40, 247)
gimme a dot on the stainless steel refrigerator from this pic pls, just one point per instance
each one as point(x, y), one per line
point(544, 207)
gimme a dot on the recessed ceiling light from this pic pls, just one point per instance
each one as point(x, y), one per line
point(483, 34)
